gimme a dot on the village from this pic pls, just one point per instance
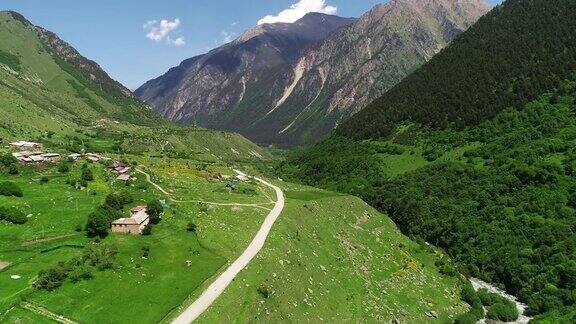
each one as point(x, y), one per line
point(33, 153)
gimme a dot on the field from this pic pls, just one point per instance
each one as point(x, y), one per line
point(143, 288)
point(333, 258)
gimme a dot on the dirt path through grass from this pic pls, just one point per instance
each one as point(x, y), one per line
point(46, 313)
point(169, 195)
point(222, 282)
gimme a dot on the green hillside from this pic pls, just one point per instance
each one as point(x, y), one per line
point(475, 152)
point(499, 197)
point(510, 56)
point(332, 258)
point(45, 97)
point(35, 78)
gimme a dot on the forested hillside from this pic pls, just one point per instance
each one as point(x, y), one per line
point(500, 197)
point(509, 57)
point(476, 153)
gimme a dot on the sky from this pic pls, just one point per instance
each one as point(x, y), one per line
point(137, 40)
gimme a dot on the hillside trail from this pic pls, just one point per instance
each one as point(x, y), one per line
point(169, 195)
point(223, 281)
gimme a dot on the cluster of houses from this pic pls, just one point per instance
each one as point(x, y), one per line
point(134, 224)
point(123, 170)
point(30, 152)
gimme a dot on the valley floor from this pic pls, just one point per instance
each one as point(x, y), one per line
point(328, 257)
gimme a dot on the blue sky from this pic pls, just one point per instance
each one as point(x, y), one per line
point(131, 42)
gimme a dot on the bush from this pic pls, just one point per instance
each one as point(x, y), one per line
point(504, 311)
point(487, 298)
point(101, 256)
point(473, 315)
point(87, 175)
point(10, 189)
point(52, 278)
point(13, 169)
point(191, 227)
point(154, 210)
point(7, 160)
point(147, 230)
point(64, 167)
point(469, 295)
point(80, 272)
point(12, 215)
point(264, 292)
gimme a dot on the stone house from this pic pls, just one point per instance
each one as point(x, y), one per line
point(134, 224)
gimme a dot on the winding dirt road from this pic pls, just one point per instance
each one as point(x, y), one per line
point(169, 195)
point(224, 280)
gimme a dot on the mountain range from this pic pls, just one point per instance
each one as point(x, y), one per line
point(290, 84)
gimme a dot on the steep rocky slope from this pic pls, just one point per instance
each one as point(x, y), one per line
point(208, 88)
point(297, 103)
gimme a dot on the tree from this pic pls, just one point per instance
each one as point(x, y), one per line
point(118, 200)
point(503, 311)
point(155, 210)
point(98, 224)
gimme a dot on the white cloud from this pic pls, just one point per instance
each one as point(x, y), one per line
point(160, 30)
point(179, 41)
point(299, 10)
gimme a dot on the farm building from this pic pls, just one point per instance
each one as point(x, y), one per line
point(51, 157)
point(24, 145)
point(124, 177)
point(134, 224)
point(120, 168)
point(36, 157)
point(93, 157)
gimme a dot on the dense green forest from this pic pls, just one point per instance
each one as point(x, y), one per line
point(499, 197)
point(476, 153)
point(510, 56)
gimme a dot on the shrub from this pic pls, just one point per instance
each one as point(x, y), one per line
point(191, 227)
point(10, 189)
point(64, 167)
point(13, 169)
point(504, 311)
point(473, 315)
point(101, 256)
point(469, 295)
point(52, 278)
point(12, 215)
point(486, 297)
point(264, 292)
point(7, 160)
point(87, 175)
point(147, 230)
point(154, 210)
point(80, 272)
